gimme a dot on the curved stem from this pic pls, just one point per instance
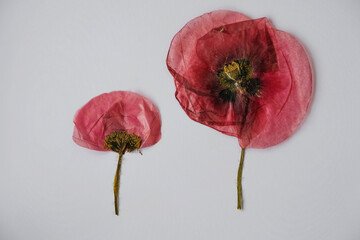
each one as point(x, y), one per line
point(117, 185)
point(239, 177)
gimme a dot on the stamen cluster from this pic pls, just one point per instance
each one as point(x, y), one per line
point(236, 77)
point(122, 141)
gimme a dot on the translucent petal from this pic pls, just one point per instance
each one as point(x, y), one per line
point(116, 111)
point(208, 42)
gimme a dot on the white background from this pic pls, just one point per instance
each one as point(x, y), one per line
point(56, 55)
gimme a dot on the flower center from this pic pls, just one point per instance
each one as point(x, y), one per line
point(236, 77)
point(121, 141)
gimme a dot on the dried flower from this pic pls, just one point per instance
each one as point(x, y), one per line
point(118, 121)
point(241, 77)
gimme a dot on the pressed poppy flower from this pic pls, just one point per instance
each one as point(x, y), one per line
point(118, 121)
point(242, 77)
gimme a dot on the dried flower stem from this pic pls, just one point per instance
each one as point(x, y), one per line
point(117, 184)
point(239, 177)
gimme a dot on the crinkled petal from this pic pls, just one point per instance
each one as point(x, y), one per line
point(116, 111)
point(278, 60)
point(251, 40)
point(283, 119)
point(182, 57)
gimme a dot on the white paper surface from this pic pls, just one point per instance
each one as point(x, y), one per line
point(56, 55)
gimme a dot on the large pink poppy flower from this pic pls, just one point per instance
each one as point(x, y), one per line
point(242, 77)
point(118, 121)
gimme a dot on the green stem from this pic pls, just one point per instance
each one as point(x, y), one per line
point(117, 185)
point(239, 177)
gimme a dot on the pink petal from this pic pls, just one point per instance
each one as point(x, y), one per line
point(181, 58)
point(199, 50)
point(283, 120)
point(251, 39)
point(116, 111)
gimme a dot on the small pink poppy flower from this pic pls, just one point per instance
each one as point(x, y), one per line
point(242, 77)
point(117, 121)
